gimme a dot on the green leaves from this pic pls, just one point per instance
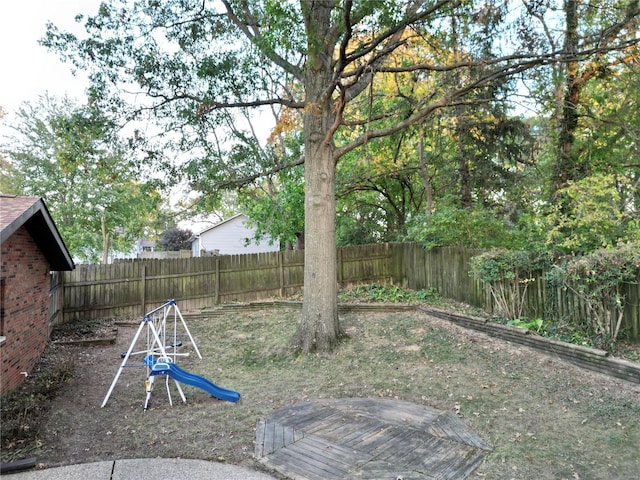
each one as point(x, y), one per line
point(174, 239)
point(599, 279)
point(186, 64)
point(508, 274)
point(451, 225)
point(72, 157)
point(499, 264)
point(596, 213)
point(276, 206)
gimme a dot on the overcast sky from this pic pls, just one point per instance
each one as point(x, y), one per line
point(27, 69)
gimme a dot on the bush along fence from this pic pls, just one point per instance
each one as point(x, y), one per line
point(127, 288)
point(598, 292)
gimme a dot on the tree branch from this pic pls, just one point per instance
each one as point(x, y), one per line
point(447, 101)
point(246, 180)
point(254, 36)
point(208, 105)
point(390, 41)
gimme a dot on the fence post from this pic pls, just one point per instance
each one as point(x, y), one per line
point(56, 299)
point(281, 267)
point(632, 310)
point(339, 266)
point(144, 288)
point(60, 294)
point(216, 295)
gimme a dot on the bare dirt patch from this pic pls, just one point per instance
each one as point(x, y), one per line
point(546, 419)
point(104, 328)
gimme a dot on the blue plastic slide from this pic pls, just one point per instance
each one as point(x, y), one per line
point(194, 380)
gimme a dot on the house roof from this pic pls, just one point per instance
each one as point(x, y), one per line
point(222, 223)
point(32, 213)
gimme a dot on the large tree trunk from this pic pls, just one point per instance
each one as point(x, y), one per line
point(319, 328)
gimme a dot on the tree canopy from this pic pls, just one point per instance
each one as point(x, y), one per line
point(206, 69)
point(71, 155)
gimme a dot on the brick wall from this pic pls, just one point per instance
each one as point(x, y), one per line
point(25, 279)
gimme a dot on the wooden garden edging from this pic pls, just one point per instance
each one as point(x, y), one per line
point(588, 358)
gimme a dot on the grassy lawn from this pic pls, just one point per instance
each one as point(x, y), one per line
point(545, 419)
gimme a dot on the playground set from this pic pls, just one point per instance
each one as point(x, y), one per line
point(160, 355)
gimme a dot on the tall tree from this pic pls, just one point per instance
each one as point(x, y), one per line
point(71, 155)
point(605, 29)
point(195, 61)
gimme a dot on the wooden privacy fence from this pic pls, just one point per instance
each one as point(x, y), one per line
point(563, 305)
point(132, 287)
point(56, 299)
point(541, 300)
point(445, 270)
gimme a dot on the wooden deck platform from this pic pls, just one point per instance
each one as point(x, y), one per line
point(367, 439)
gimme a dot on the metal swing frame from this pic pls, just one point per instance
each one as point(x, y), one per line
point(155, 322)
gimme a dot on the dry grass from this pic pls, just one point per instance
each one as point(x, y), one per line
point(545, 419)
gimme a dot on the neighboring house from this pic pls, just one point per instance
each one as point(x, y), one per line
point(31, 249)
point(145, 246)
point(229, 237)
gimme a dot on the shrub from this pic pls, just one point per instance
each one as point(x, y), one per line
point(175, 239)
point(386, 294)
point(599, 279)
point(453, 226)
point(508, 274)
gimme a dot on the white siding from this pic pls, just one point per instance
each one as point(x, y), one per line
point(229, 238)
point(195, 247)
